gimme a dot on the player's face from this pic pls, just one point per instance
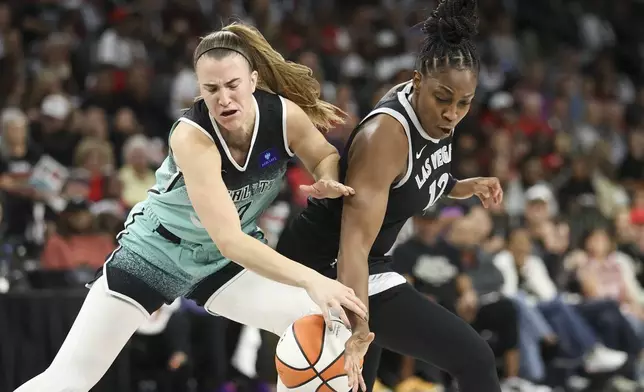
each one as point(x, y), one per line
point(443, 99)
point(227, 86)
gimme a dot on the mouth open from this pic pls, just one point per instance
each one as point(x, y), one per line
point(228, 113)
point(446, 130)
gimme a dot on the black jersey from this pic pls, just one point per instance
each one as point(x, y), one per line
point(252, 186)
point(313, 237)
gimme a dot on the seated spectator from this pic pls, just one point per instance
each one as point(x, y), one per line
point(75, 243)
point(435, 266)
point(527, 281)
point(550, 238)
point(626, 236)
point(604, 272)
point(18, 156)
point(96, 158)
point(136, 175)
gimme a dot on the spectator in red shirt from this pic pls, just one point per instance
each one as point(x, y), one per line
point(76, 242)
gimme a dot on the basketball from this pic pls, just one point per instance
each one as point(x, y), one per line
point(310, 357)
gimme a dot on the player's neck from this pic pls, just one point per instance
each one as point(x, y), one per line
point(240, 138)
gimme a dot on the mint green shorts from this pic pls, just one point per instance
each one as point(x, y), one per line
point(152, 265)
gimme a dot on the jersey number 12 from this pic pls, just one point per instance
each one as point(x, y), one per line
point(442, 184)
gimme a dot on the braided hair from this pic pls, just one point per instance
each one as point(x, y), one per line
point(449, 37)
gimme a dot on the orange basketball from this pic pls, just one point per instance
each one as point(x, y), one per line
point(309, 357)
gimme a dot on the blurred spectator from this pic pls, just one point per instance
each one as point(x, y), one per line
point(578, 190)
point(76, 242)
point(96, 159)
point(136, 175)
point(118, 45)
point(438, 264)
point(632, 168)
point(51, 129)
point(606, 273)
point(18, 156)
point(12, 61)
point(526, 279)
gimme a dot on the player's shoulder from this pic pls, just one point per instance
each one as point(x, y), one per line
point(383, 128)
point(380, 143)
point(197, 112)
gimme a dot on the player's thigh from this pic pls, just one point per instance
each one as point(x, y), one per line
point(250, 299)
point(406, 322)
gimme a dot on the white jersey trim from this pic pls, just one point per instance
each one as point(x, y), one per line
point(284, 131)
point(123, 297)
point(116, 294)
point(403, 121)
point(199, 127)
point(252, 141)
point(402, 98)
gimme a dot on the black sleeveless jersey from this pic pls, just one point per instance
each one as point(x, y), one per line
point(313, 237)
point(252, 186)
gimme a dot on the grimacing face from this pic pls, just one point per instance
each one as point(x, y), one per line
point(227, 86)
point(443, 99)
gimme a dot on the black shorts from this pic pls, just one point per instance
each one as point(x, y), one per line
point(127, 286)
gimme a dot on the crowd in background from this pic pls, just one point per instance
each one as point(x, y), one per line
point(552, 278)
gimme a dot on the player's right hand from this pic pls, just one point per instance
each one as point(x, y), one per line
point(331, 296)
point(354, 351)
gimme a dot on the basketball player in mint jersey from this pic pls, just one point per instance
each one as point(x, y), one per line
point(227, 157)
point(398, 161)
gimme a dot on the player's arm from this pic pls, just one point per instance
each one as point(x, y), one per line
point(309, 144)
point(378, 156)
point(200, 163)
point(488, 189)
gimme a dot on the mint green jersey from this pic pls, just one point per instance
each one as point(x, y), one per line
point(252, 187)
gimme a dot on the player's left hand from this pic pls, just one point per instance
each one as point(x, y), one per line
point(327, 189)
point(354, 351)
point(488, 190)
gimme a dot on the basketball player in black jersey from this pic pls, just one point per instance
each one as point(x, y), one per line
point(398, 162)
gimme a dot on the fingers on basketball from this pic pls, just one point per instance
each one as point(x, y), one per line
point(309, 357)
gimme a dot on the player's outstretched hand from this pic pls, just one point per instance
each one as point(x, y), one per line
point(354, 351)
point(488, 190)
point(331, 295)
point(327, 189)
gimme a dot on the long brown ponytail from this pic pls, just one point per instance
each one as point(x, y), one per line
point(276, 75)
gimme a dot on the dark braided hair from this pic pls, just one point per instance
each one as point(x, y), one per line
point(449, 32)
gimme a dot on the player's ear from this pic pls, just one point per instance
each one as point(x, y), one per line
point(253, 80)
point(416, 80)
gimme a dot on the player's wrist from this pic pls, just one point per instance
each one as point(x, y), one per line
point(463, 189)
point(309, 279)
point(359, 326)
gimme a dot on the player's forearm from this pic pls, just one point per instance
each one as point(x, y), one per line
point(356, 239)
point(263, 260)
point(463, 189)
point(327, 168)
point(353, 272)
